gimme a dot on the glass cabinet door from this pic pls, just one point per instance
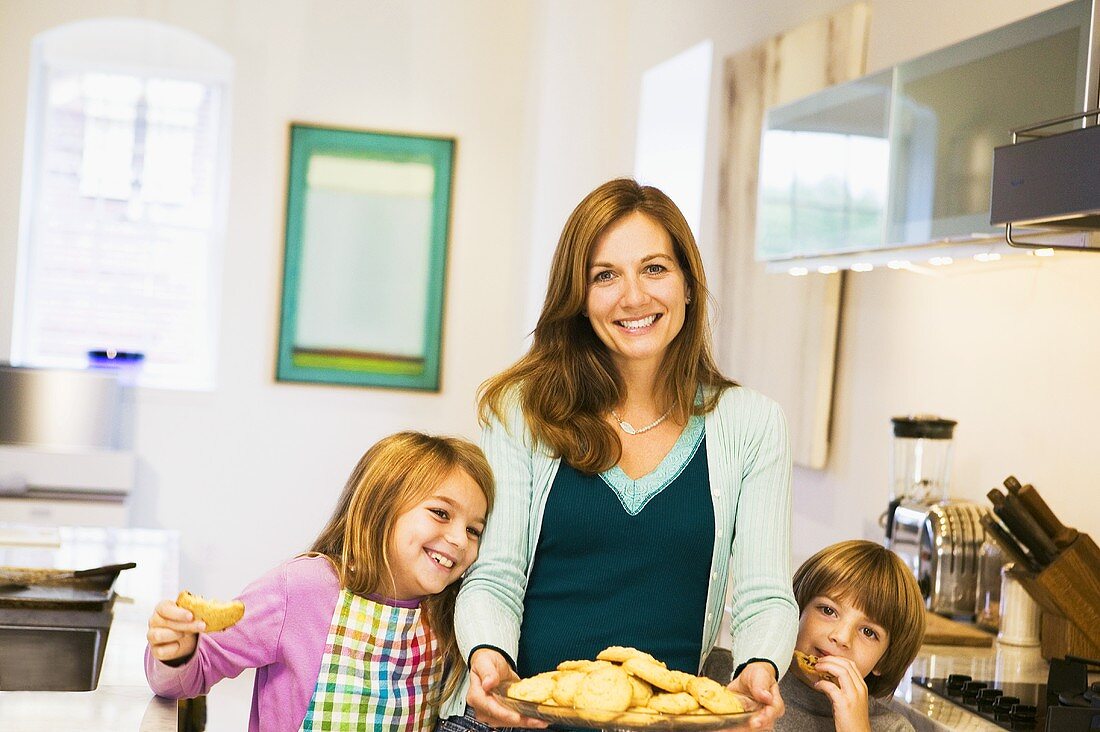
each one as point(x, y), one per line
point(952, 107)
point(824, 167)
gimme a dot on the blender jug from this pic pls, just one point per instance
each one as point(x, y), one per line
point(920, 469)
point(921, 464)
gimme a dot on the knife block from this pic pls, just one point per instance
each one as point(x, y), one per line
point(1068, 591)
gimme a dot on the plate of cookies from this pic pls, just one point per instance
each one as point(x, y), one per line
point(626, 689)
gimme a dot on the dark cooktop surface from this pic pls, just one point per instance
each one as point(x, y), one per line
point(1011, 706)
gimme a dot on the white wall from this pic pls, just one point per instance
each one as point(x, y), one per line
point(593, 56)
point(542, 97)
point(1010, 352)
point(250, 471)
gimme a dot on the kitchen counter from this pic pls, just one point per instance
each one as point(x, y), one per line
point(930, 712)
point(122, 701)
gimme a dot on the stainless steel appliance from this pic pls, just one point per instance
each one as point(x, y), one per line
point(920, 469)
point(61, 408)
point(1050, 182)
point(950, 540)
point(65, 456)
point(54, 626)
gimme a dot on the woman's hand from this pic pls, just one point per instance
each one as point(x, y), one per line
point(173, 632)
point(757, 681)
point(848, 695)
point(487, 669)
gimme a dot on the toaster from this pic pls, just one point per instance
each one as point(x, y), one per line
point(950, 541)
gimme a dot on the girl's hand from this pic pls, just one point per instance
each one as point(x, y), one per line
point(848, 695)
point(757, 681)
point(173, 632)
point(487, 669)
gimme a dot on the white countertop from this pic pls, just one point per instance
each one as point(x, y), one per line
point(930, 712)
point(122, 701)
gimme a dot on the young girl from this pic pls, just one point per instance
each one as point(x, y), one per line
point(359, 632)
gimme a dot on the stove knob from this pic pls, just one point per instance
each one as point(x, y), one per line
point(1003, 706)
point(970, 691)
point(957, 679)
point(986, 697)
point(1023, 713)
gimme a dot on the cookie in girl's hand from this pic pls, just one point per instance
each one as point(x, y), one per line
point(216, 615)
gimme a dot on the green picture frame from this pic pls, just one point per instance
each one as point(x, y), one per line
point(367, 225)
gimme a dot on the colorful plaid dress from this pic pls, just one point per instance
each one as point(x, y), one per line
point(379, 665)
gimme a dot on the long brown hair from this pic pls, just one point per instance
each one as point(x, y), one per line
point(882, 586)
point(567, 381)
point(394, 475)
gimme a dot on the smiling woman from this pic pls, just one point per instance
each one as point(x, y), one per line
point(620, 450)
point(638, 292)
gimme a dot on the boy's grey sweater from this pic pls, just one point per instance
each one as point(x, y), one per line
point(811, 711)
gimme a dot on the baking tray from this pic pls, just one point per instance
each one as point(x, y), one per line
point(60, 589)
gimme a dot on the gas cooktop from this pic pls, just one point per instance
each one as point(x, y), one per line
point(1020, 707)
point(1066, 703)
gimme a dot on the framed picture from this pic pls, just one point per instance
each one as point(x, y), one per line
point(367, 219)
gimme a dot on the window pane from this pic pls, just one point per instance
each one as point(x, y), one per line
point(119, 251)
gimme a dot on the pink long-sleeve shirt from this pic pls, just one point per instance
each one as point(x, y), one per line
point(282, 635)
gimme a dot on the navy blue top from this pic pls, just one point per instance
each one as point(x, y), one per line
point(623, 562)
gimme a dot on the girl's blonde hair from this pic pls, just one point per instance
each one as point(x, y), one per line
point(882, 587)
point(394, 475)
point(567, 381)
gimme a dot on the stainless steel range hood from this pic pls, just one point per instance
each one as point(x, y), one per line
point(1049, 184)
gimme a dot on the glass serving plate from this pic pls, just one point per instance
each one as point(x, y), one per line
point(626, 721)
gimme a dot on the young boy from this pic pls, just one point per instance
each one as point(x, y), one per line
point(862, 616)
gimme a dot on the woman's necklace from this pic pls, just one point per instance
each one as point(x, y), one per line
point(632, 430)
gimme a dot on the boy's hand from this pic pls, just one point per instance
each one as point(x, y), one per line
point(848, 695)
point(173, 632)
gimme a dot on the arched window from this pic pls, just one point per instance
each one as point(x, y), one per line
point(124, 195)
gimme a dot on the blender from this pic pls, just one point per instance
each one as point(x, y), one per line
point(920, 468)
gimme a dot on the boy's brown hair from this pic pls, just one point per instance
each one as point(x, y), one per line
point(882, 587)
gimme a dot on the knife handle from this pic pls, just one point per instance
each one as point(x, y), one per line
point(1012, 484)
point(1061, 534)
point(1013, 551)
point(1023, 527)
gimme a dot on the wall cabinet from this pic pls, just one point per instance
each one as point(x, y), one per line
point(903, 157)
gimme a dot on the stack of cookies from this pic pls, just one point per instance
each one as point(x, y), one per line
point(626, 680)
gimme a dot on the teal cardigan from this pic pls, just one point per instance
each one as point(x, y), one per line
point(748, 453)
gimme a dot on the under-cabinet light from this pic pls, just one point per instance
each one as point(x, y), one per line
point(920, 259)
